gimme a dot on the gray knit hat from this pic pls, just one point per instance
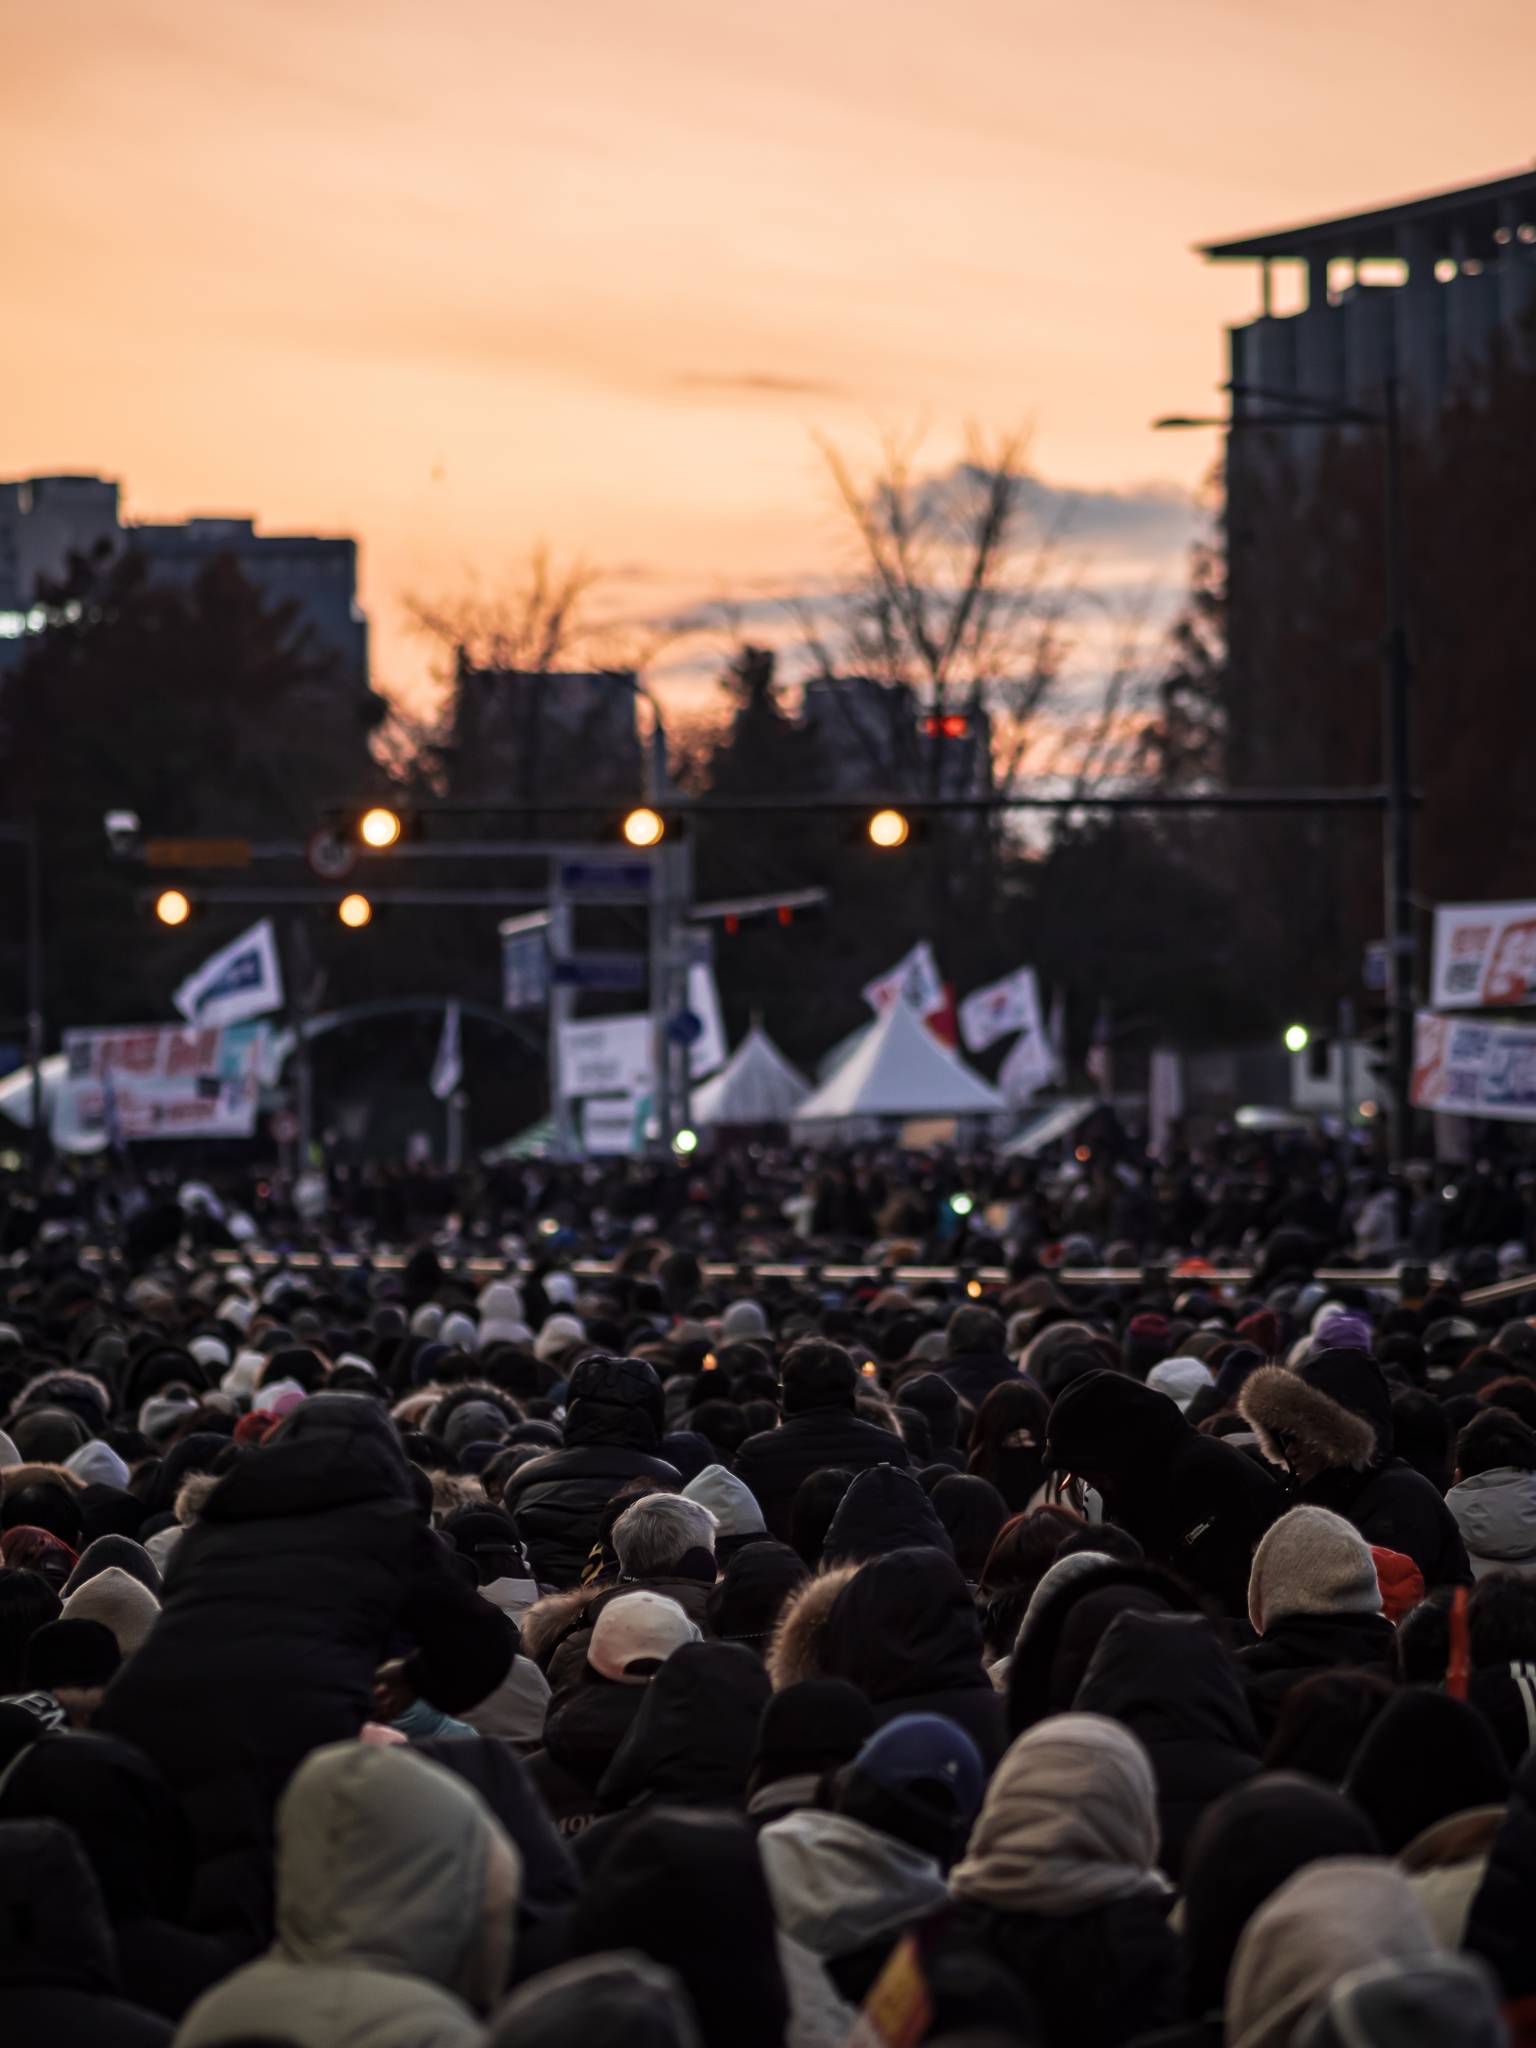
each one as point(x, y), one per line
point(1311, 1562)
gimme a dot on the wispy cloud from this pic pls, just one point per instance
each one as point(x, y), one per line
point(760, 383)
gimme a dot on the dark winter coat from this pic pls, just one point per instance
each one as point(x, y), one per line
point(774, 1462)
point(1096, 1979)
point(613, 1428)
point(1504, 1910)
point(137, 1842)
point(975, 1374)
point(1331, 1420)
point(1425, 1757)
point(565, 1662)
point(905, 1631)
point(309, 1563)
point(1298, 1645)
point(59, 1984)
point(1170, 1679)
point(581, 1738)
point(1192, 1502)
point(1062, 1632)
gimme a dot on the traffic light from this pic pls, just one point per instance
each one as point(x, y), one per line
point(643, 827)
point(888, 829)
point(1297, 1038)
point(355, 911)
point(173, 907)
point(380, 828)
point(946, 725)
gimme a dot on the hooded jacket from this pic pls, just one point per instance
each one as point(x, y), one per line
point(1192, 1502)
point(120, 1602)
point(1496, 1514)
point(738, 1518)
point(58, 1957)
point(1171, 1681)
point(904, 1629)
point(810, 1439)
point(973, 1374)
point(310, 1560)
point(692, 1741)
point(1445, 1999)
point(1059, 1883)
point(1504, 1909)
point(842, 1888)
point(746, 1601)
point(1329, 1919)
point(1328, 1426)
point(582, 1735)
point(1072, 1610)
point(615, 2001)
point(613, 1427)
point(139, 1847)
point(1424, 1758)
point(883, 1510)
point(395, 1898)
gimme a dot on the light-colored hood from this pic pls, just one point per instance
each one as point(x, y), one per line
point(119, 1602)
point(384, 1860)
point(1496, 1514)
point(837, 1884)
point(732, 1503)
point(512, 1596)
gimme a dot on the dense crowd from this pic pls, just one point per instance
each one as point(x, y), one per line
point(399, 1656)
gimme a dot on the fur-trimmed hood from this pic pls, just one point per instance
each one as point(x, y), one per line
point(82, 1393)
point(1301, 1427)
point(31, 1473)
point(795, 1651)
point(549, 1620)
point(192, 1496)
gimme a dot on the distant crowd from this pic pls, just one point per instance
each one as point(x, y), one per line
point(399, 1655)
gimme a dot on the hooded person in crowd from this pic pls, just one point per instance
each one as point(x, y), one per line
point(904, 1629)
point(1245, 1846)
point(1433, 1783)
point(1007, 1444)
point(663, 1543)
point(976, 1354)
point(622, 2000)
point(312, 1560)
point(1171, 1680)
point(820, 1428)
point(746, 1601)
point(1494, 1498)
point(1073, 1608)
point(584, 1729)
point(935, 1399)
point(885, 1509)
point(1503, 1910)
point(1449, 2000)
point(59, 1981)
point(1328, 1920)
point(614, 1419)
point(848, 1880)
point(1328, 1427)
point(1314, 1602)
point(396, 1906)
point(738, 1518)
point(1060, 1884)
point(973, 1513)
point(1193, 1503)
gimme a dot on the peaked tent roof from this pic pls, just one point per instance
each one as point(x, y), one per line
point(901, 1069)
point(757, 1085)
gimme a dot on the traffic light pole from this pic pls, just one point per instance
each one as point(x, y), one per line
point(1397, 764)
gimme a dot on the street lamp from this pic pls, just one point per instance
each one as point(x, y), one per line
point(379, 828)
point(355, 911)
point(888, 829)
point(1303, 409)
point(173, 907)
point(644, 827)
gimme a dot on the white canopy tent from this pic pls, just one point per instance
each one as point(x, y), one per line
point(757, 1085)
point(900, 1070)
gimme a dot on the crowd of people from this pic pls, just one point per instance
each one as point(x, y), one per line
point(399, 1655)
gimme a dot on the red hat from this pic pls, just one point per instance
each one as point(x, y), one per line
point(1401, 1583)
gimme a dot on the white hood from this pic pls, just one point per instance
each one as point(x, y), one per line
point(732, 1502)
point(1496, 1514)
point(837, 1885)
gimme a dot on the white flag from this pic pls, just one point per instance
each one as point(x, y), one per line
point(448, 1067)
point(1027, 1069)
point(709, 1050)
point(1012, 1004)
point(914, 980)
point(244, 979)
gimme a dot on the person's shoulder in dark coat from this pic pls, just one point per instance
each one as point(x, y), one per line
point(820, 1430)
point(1097, 1978)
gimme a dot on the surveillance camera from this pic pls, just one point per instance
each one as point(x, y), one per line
point(122, 828)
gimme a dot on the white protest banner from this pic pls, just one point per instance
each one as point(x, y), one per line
point(158, 1081)
point(1012, 1004)
point(1466, 1068)
point(605, 1056)
point(915, 980)
point(448, 1066)
point(709, 1050)
point(243, 979)
point(1485, 955)
point(612, 1126)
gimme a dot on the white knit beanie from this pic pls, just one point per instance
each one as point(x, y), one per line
point(1311, 1562)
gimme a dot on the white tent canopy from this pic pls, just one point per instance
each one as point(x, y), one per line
point(901, 1069)
point(757, 1085)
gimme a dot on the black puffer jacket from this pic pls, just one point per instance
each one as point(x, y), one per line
point(906, 1632)
point(1504, 1910)
point(1172, 1682)
point(58, 1960)
point(1097, 1979)
point(1331, 1420)
point(1299, 1644)
point(581, 1739)
point(775, 1462)
point(613, 1425)
point(1193, 1503)
point(310, 1562)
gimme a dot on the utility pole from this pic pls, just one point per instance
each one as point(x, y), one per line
point(1397, 764)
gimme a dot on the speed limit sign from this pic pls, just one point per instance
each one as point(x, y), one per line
point(330, 856)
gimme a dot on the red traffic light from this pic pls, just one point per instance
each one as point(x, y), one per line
point(947, 725)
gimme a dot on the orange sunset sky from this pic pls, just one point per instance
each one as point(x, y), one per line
point(460, 275)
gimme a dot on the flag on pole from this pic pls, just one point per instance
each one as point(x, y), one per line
point(243, 979)
point(1012, 1004)
point(448, 1067)
point(1101, 1060)
point(1027, 1069)
point(915, 980)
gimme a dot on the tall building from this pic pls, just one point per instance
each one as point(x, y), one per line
point(45, 520)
